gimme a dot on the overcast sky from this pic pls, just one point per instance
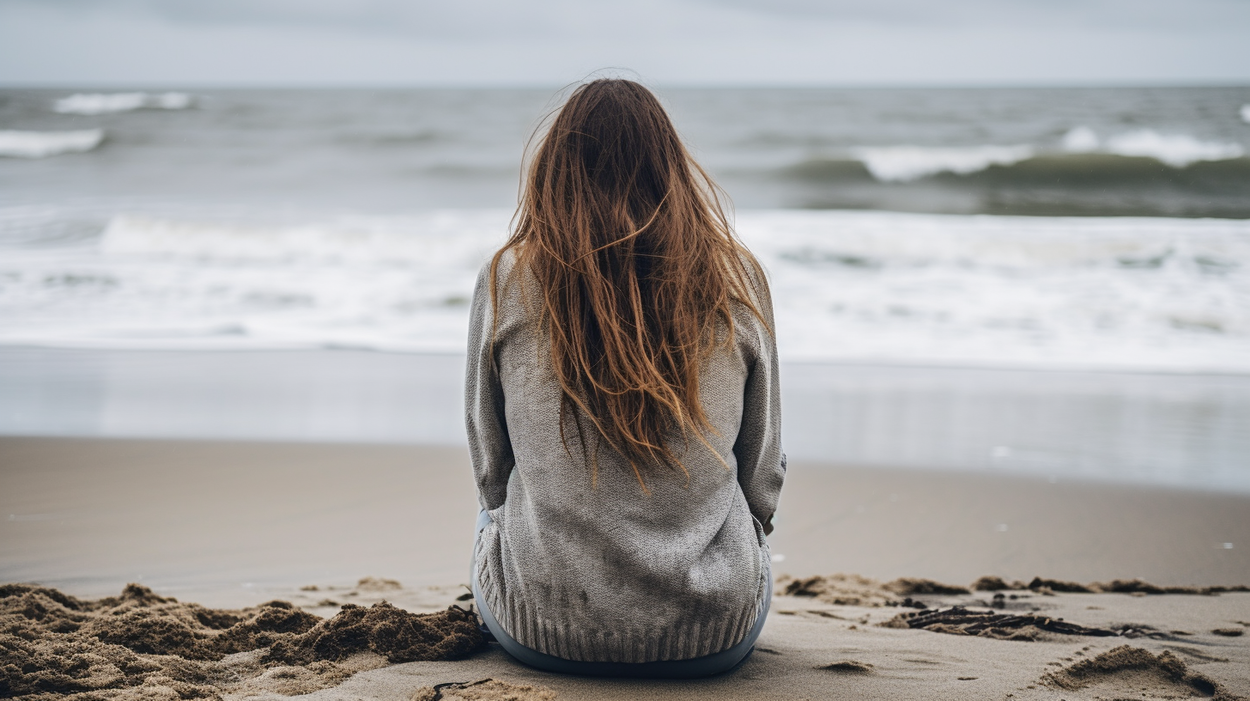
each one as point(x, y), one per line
point(552, 42)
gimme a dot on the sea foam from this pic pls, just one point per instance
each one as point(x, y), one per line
point(41, 144)
point(1081, 140)
point(1054, 292)
point(435, 240)
point(904, 163)
point(102, 103)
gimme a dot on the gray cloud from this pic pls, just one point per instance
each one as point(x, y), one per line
point(420, 18)
point(469, 18)
point(1099, 14)
point(690, 41)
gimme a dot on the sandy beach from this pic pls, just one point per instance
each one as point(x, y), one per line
point(231, 525)
point(1010, 301)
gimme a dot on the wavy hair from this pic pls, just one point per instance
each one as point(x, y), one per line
point(637, 265)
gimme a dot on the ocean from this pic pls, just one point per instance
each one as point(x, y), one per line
point(1085, 232)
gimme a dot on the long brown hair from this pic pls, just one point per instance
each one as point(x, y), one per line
point(637, 263)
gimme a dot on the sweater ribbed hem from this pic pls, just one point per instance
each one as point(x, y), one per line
point(678, 640)
point(681, 641)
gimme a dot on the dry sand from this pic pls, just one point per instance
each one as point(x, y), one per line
point(202, 520)
point(1040, 645)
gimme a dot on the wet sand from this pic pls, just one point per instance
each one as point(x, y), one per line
point(237, 524)
point(1173, 429)
point(207, 519)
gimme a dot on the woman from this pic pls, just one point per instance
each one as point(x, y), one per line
point(622, 408)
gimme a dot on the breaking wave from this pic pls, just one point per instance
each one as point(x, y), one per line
point(1139, 173)
point(105, 103)
point(41, 144)
point(906, 163)
point(1176, 150)
point(1085, 167)
point(903, 163)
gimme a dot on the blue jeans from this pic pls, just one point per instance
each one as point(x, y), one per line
point(707, 665)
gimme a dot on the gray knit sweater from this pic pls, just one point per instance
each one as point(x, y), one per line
point(606, 573)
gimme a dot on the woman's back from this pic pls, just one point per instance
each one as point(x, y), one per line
point(592, 568)
point(622, 401)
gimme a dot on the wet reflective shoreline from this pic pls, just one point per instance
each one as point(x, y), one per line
point(1181, 430)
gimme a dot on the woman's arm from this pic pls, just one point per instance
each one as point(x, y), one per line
point(761, 462)
point(490, 448)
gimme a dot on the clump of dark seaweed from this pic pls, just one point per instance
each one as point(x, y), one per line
point(1136, 586)
point(993, 583)
point(958, 620)
point(1058, 585)
point(1115, 586)
point(911, 586)
point(854, 590)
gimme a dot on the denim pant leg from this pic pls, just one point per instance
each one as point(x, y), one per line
point(707, 665)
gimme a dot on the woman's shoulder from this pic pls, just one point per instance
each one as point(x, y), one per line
point(505, 286)
point(503, 265)
point(502, 262)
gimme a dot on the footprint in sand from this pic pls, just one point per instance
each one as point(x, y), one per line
point(483, 690)
point(1131, 672)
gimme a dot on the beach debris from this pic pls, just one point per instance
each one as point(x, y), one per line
point(1134, 586)
point(1127, 670)
point(1115, 586)
point(375, 584)
point(910, 586)
point(483, 690)
point(1044, 585)
point(848, 667)
point(1229, 632)
point(855, 590)
point(841, 589)
point(992, 583)
point(1003, 602)
point(958, 620)
point(1056, 585)
point(143, 645)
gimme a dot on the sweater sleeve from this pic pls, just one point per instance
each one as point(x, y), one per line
point(761, 462)
point(490, 448)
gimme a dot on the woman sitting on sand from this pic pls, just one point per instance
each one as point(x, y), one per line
point(623, 408)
